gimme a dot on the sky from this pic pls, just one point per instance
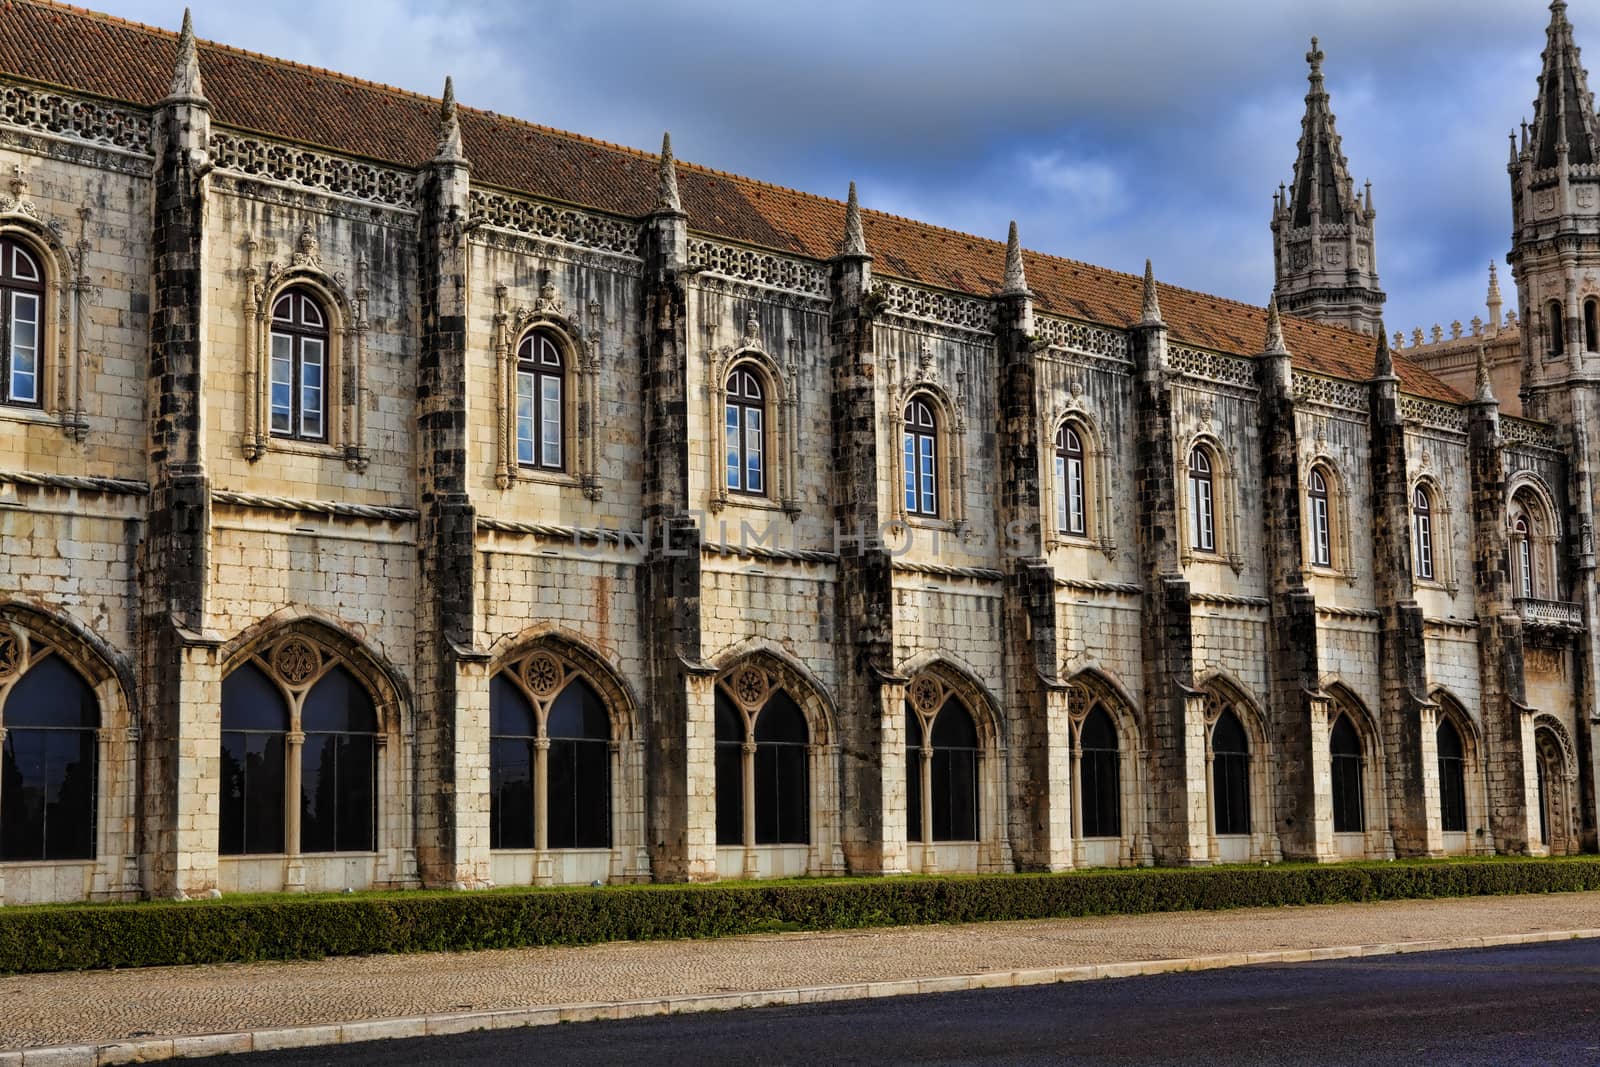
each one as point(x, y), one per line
point(1112, 132)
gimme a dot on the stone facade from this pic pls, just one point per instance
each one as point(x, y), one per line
point(1157, 580)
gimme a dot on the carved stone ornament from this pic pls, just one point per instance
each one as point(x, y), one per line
point(542, 673)
point(18, 202)
point(13, 654)
point(307, 253)
point(750, 686)
point(549, 302)
point(925, 371)
point(296, 660)
point(752, 331)
point(925, 694)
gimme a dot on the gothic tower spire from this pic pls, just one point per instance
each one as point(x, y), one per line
point(1326, 256)
point(855, 239)
point(1016, 280)
point(667, 199)
point(449, 133)
point(186, 71)
point(1564, 112)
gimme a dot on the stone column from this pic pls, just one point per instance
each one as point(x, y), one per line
point(1402, 653)
point(870, 696)
point(1040, 801)
point(180, 708)
point(1174, 730)
point(451, 727)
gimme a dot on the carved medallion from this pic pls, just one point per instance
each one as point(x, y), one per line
point(925, 693)
point(750, 686)
point(542, 672)
point(13, 654)
point(296, 661)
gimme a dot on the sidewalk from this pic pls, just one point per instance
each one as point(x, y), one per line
point(103, 1007)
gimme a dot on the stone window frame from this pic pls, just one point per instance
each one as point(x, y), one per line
point(64, 322)
point(1221, 692)
point(1551, 738)
point(580, 354)
point(1086, 691)
point(1341, 553)
point(929, 687)
point(1096, 482)
point(950, 458)
point(345, 374)
point(1529, 497)
point(1343, 703)
point(1224, 504)
point(115, 866)
point(279, 648)
point(1479, 839)
point(1555, 329)
point(1441, 532)
point(1591, 323)
point(780, 387)
point(749, 679)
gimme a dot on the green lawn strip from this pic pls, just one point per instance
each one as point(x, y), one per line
point(281, 927)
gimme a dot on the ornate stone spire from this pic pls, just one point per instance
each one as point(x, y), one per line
point(449, 126)
point(1275, 345)
point(1151, 315)
point(1494, 303)
point(1564, 112)
point(1484, 393)
point(855, 239)
point(1016, 283)
point(1322, 181)
point(1382, 361)
point(667, 199)
point(186, 72)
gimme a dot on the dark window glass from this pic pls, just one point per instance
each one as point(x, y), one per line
point(1452, 778)
point(298, 367)
point(579, 770)
point(338, 767)
point(746, 434)
point(22, 326)
point(1100, 770)
point(1422, 534)
point(1557, 328)
point(921, 457)
point(1345, 745)
point(1544, 799)
point(512, 733)
point(255, 717)
point(955, 774)
point(783, 794)
point(48, 766)
point(913, 774)
point(730, 771)
point(1230, 775)
point(541, 403)
point(1591, 336)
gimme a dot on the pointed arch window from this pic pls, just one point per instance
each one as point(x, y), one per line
point(1071, 510)
point(1522, 544)
point(1344, 745)
point(339, 766)
point(49, 761)
point(1099, 769)
point(298, 373)
point(549, 758)
point(1321, 519)
point(22, 325)
point(943, 750)
point(746, 434)
point(1556, 324)
point(541, 403)
point(1591, 325)
point(1422, 532)
point(921, 448)
point(255, 727)
point(1452, 778)
point(1230, 775)
point(763, 763)
point(1202, 501)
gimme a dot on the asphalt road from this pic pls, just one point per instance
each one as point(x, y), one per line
point(1534, 1004)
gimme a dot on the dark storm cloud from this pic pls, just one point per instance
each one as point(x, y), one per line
point(1111, 131)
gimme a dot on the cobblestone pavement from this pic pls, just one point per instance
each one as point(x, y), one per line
point(102, 1006)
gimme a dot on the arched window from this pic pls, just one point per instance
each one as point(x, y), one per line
point(783, 799)
point(763, 752)
point(299, 371)
point(1557, 325)
point(541, 403)
point(747, 433)
point(916, 741)
point(1452, 778)
point(921, 458)
point(338, 766)
point(1591, 327)
point(1345, 746)
point(1099, 775)
point(1230, 775)
point(954, 782)
point(22, 324)
point(1321, 520)
point(1071, 514)
point(49, 763)
point(549, 737)
point(1202, 497)
point(255, 724)
point(1422, 532)
point(1523, 547)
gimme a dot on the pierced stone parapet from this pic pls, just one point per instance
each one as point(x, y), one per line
point(1550, 614)
point(1330, 393)
point(1433, 415)
point(297, 165)
point(1526, 433)
point(1213, 366)
point(748, 265)
point(1081, 337)
point(941, 308)
point(566, 225)
point(79, 118)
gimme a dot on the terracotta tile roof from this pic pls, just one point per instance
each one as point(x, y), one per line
point(125, 61)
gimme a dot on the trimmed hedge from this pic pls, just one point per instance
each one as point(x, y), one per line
point(50, 938)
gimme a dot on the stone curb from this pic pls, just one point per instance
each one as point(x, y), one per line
point(148, 1050)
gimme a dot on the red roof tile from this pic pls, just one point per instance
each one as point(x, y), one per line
point(125, 61)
